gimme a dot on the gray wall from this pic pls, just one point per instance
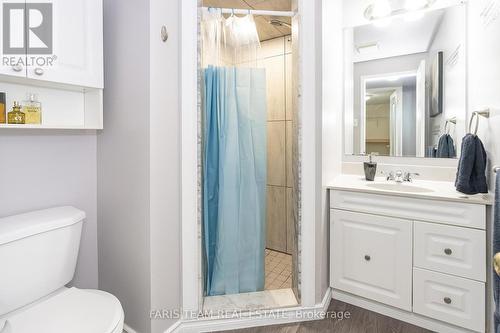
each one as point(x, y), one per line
point(42, 169)
point(123, 161)
point(139, 161)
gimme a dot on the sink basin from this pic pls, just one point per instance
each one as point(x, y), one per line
point(395, 187)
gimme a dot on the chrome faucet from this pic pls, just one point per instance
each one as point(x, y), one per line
point(400, 176)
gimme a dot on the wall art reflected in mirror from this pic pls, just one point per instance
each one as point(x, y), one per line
point(405, 80)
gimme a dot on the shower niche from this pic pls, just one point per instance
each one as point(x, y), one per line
point(248, 156)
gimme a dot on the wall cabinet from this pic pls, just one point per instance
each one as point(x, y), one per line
point(61, 62)
point(76, 41)
point(397, 254)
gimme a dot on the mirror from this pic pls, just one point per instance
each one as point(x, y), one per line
point(405, 80)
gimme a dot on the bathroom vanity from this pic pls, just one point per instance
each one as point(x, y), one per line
point(413, 251)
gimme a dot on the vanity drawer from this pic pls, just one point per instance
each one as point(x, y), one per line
point(445, 212)
point(453, 250)
point(371, 257)
point(448, 298)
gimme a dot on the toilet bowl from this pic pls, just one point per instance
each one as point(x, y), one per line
point(69, 310)
point(38, 251)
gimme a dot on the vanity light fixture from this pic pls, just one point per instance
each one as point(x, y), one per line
point(411, 5)
point(367, 48)
point(382, 9)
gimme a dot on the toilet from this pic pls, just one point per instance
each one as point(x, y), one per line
point(38, 254)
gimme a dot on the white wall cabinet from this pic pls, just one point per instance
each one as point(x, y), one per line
point(412, 255)
point(68, 79)
point(77, 44)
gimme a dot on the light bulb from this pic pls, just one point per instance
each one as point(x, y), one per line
point(415, 4)
point(381, 8)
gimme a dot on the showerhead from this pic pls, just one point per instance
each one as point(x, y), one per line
point(278, 23)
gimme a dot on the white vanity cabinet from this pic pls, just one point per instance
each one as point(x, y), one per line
point(420, 258)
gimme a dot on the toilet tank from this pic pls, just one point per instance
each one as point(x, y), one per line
point(38, 254)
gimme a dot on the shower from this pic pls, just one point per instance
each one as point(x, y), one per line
point(248, 182)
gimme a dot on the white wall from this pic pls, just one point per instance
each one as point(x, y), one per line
point(450, 36)
point(483, 90)
point(165, 154)
point(42, 169)
point(332, 109)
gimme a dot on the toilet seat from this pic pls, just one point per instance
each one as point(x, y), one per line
point(73, 310)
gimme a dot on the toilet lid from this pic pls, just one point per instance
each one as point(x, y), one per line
point(74, 310)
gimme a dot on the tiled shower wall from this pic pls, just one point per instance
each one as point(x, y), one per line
point(276, 56)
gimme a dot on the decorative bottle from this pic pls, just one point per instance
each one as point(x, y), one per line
point(16, 116)
point(3, 109)
point(33, 110)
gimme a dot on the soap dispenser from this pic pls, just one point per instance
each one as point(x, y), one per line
point(370, 169)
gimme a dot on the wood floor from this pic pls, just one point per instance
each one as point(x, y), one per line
point(360, 321)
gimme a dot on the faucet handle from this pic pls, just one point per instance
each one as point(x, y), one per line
point(388, 176)
point(409, 176)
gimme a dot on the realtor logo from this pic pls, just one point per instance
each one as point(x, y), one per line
point(27, 28)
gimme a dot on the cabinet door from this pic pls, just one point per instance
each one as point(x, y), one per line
point(12, 25)
point(372, 257)
point(77, 44)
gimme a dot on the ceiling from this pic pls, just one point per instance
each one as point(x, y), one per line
point(264, 28)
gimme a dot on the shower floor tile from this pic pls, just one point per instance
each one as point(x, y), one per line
point(278, 270)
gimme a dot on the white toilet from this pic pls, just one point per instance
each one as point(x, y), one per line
point(38, 254)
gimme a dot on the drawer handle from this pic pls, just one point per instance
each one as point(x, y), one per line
point(448, 252)
point(447, 300)
point(368, 258)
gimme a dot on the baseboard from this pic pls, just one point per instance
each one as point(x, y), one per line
point(255, 319)
point(127, 329)
point(409, 317)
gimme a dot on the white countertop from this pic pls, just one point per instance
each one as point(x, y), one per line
point(437, 190)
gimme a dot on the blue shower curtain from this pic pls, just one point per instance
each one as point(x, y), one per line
point(234, 182)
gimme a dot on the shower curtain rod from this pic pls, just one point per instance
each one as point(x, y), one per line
point(253, 12)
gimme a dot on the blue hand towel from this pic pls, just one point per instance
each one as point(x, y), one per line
point(446, 147)
point(471, 174)
point(496, 249)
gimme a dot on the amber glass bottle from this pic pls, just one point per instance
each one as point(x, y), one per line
point(3, 114)
point(16, 116)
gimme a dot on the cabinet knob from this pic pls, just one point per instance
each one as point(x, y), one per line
point(447, 300)
point(17, 68)
point(39, 71)
point(448, 252)
point(368, 258)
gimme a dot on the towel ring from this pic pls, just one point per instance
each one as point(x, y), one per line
point(447, 126)
point(475, 115)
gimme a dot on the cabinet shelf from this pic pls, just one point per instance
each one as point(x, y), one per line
point(54, 127)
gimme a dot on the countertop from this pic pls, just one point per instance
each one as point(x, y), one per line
point(436, 190)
